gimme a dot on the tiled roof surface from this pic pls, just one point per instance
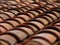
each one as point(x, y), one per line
point(30, 22)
